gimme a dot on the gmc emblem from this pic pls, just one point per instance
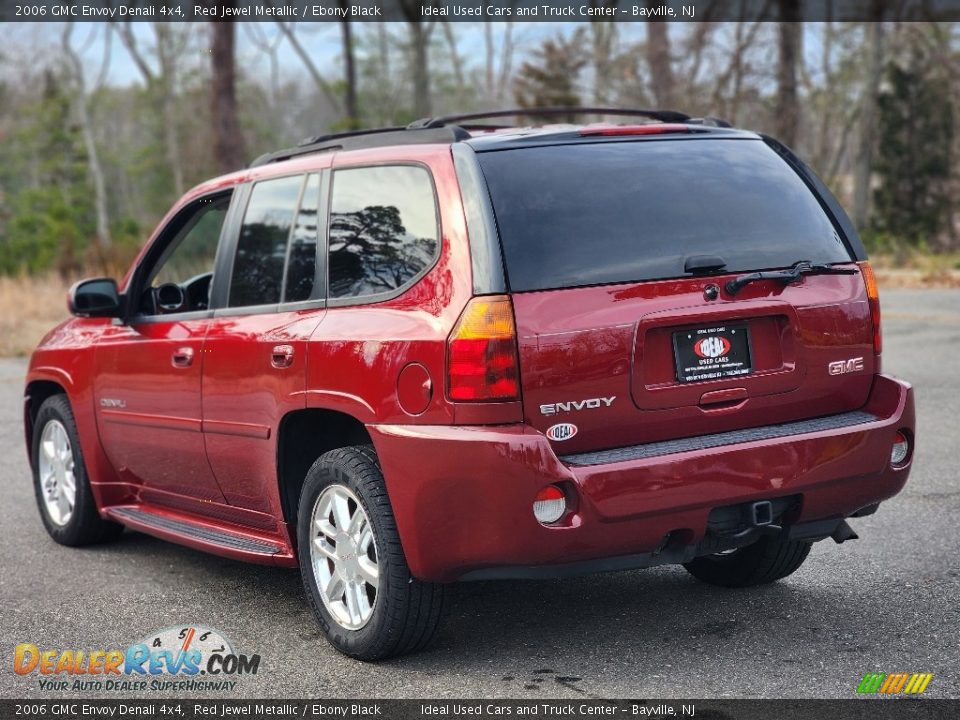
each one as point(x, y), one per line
point(842, 367)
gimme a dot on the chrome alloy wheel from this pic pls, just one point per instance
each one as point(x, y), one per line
point(343, 553)
point(57, 480)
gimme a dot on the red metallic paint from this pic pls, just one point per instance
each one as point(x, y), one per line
point(243, 390)
point(200, 443)
point(155, 439)
point(463, 495)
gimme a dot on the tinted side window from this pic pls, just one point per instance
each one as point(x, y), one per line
point(383, 229)
point(302, 263)
point(262, 248)
point(194, 249)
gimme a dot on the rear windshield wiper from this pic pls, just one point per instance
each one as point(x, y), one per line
point(791, 275)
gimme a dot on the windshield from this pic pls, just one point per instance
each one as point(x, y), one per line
point(614, 212)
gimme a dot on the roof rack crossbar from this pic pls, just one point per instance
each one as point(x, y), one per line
point(443, 121)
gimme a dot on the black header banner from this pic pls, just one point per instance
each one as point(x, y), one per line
point(476, 10)
point(447, 709)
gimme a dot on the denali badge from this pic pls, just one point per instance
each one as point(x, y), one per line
point(590, 404)
point(112, 403)
point(841, 367)
point(561, 431)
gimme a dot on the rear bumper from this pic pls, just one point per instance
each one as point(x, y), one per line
point(462, 496)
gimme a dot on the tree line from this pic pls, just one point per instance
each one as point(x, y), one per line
point(89, 164)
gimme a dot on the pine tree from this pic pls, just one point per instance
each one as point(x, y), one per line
point(51, 216)
point(912, 203)
point(550, 78)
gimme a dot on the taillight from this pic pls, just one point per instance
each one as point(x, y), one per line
point(651, 129)
point(482, 352)
point(873, 297)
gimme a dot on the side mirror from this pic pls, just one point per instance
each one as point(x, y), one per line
point(97, 297)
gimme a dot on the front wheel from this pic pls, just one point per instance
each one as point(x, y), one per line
point(60, 483)
point(354, 570)
point(767, 560)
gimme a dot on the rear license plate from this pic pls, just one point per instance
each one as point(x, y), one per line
point(712, 353)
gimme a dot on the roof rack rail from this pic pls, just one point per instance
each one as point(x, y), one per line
point(356, 139)
point(446, 120)
point(453, 128)
point(710, 121)
point(345, 134)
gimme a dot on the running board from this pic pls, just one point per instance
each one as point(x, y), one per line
point(173, 529)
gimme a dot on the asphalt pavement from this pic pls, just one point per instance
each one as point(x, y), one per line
point(885, 603)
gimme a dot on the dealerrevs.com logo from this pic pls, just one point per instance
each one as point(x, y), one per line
point(181, 658)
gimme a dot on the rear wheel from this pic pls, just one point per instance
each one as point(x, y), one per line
point(60, 482)
point(765, 561)
point(354, 570)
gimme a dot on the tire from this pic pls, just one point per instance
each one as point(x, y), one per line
point(765, 561)
point(402, 613)
point(82, 525)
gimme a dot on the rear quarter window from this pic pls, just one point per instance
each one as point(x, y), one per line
point(615, 212)
point(384, 231)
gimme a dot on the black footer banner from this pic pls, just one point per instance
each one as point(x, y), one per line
point(865, 709)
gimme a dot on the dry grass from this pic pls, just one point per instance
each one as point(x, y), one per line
point(913, 269)
point(29, 307)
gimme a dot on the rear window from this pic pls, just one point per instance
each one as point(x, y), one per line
point(614, 212)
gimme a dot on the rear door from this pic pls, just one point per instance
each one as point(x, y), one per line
point(255, 359)
point(619, 344)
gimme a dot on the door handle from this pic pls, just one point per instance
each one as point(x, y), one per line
point(282, 356)
point(183, 357)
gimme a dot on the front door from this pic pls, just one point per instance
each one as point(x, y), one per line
point(147, 390)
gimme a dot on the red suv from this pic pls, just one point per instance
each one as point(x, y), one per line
point(456, 351)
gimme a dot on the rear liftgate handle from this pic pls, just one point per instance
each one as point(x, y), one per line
point(282, 356)
point(721, 401)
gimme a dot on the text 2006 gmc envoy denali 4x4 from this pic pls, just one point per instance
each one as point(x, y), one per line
point(454, 351)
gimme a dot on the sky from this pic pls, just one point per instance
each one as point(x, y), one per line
point(322, 39)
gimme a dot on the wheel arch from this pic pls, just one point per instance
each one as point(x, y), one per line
point(35, 394)
point(303, 436)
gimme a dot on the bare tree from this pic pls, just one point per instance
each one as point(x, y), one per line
point(349, 69)
point(323, 86)
point(729, 86)
point(863, 161)
point(420, 53)
point(81, 108)
point(660, 62)
point(790, 47)
point(603, 34)
point(455, 59)
point(269, 47)
point(496, 81)
point(171, 42)
point(228, 143)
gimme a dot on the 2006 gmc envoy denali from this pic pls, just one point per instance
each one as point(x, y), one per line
point(405, 357)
